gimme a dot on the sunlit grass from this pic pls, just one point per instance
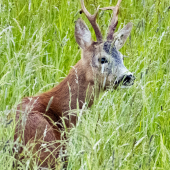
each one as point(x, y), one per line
point(124, 129)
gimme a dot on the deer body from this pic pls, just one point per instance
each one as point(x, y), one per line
point(40, 119)
point(64, 98)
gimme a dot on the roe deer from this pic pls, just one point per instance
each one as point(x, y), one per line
point(101, 66)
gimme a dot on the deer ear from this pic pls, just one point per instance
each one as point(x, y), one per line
point(82, 34)
point(122, 35)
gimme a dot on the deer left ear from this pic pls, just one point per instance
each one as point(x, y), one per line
point(82, 34)
point(122, 35)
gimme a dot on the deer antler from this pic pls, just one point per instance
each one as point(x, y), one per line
point(92, 19)
point(114, 21)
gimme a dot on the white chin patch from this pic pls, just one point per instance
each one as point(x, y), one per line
point(125, 87)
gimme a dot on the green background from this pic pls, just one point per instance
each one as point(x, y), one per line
point(124, 129)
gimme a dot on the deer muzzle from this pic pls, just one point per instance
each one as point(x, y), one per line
point(126, 80)
point(124, 76)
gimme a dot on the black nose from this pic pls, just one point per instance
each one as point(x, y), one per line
point(128, 80)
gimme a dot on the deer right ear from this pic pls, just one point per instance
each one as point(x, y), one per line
point(122, 35)
point(82, 34)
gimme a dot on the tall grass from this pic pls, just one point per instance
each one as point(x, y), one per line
point(124, 129)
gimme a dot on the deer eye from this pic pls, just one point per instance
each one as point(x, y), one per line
point(103, 60)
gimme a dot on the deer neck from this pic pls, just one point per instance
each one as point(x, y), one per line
point(73, 92)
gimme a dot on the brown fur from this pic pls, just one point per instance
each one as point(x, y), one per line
point(38, 119)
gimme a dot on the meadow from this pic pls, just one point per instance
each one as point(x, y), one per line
point(126, 129)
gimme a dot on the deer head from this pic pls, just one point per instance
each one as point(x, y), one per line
point(102, 60)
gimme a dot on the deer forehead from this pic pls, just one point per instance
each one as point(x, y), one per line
point(107, 49)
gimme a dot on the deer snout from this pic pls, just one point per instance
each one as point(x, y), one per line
point(128, 80)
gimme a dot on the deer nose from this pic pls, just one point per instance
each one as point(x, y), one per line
point(128, 79)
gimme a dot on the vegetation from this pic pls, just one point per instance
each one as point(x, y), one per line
point(125, 128)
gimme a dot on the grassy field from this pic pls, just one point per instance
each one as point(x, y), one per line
point(126, 129)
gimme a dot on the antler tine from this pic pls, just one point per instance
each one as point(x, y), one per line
point(114, 20)
point(92, 20)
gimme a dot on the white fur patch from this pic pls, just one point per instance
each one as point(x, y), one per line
point(87, 37)
point(102, 70)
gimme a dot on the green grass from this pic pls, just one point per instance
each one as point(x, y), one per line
point(124, 129)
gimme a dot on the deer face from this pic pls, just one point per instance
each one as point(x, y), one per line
point(102, 60)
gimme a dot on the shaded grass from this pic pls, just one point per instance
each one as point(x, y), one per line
point(126, 128)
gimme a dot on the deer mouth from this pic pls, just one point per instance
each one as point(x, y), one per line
point(126, 80)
